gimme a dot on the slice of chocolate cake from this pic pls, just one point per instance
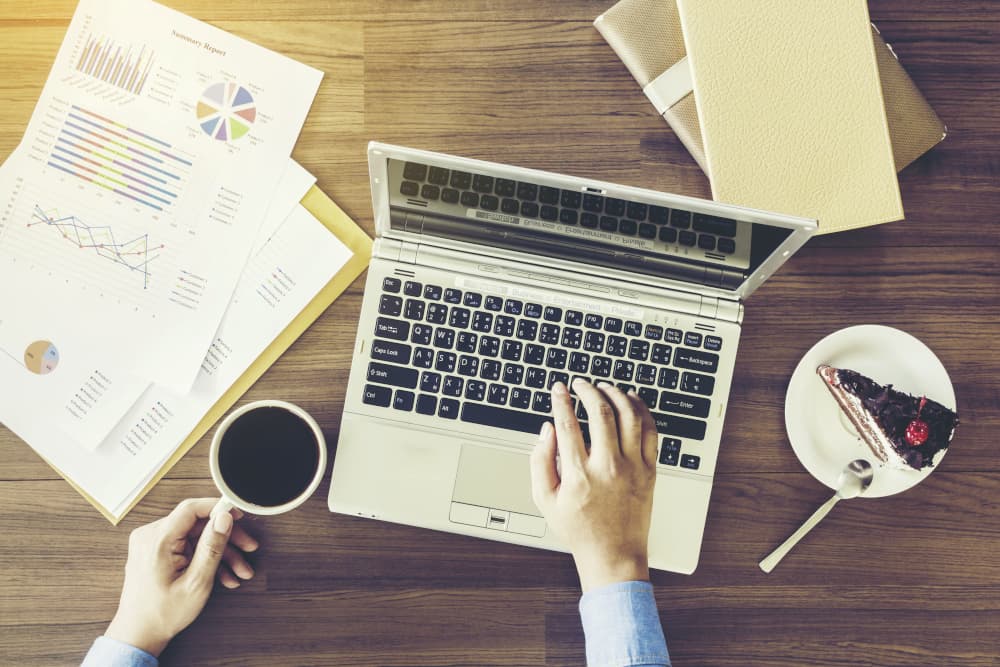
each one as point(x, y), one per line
point(901, 430)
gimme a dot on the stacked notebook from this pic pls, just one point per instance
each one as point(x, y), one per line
point(791, 107)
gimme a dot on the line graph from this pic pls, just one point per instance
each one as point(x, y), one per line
point(135, 254)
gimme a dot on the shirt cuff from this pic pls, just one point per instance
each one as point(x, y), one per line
point(622, 626)
point(107, 652)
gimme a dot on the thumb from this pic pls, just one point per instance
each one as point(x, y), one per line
point(209, 550)
point(544, 476)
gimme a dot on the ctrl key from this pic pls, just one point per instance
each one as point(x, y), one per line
point(375, 395)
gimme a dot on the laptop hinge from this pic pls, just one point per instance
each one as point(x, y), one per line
point(395, 250)
point(721, 309)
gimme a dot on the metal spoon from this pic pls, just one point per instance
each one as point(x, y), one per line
point(853, 481)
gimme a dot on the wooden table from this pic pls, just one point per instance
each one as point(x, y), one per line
point(909, 580)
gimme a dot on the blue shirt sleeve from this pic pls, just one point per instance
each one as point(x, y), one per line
point(107, 652)
point(622, 626)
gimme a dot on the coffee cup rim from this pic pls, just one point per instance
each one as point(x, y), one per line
point(237, 501)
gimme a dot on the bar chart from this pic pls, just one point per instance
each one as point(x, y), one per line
point(125, 67)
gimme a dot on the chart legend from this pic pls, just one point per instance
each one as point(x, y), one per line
point(226, 111)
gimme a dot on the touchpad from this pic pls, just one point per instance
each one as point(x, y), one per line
point(495, 478)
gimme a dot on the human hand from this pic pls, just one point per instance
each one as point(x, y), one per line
point(170, 569)
point(599, 503)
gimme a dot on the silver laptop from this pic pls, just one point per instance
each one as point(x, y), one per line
point(488, 283)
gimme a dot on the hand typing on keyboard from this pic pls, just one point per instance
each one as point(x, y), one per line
point(598, 502)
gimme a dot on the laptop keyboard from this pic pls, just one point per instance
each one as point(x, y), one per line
point(490, 360)
point(465, 191)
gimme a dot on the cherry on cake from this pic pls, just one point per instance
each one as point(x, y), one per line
point(902, 431)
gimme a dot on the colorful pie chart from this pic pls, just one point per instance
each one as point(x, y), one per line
point(226, 111)
point(41, 357)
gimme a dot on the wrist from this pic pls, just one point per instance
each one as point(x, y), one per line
point(129, 632)
point(597, 572)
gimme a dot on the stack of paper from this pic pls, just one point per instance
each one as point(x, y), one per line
point(151, 239)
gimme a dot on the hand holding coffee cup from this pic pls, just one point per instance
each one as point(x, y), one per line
point(267, 457)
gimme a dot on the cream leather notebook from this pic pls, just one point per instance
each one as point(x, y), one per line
point(791, 110)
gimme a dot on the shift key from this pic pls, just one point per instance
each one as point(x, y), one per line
point(389, 328)
point(397, 376)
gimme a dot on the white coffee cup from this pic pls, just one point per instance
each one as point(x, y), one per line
point(230, 499)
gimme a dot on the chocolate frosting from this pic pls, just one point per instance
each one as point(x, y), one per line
point(894, 410)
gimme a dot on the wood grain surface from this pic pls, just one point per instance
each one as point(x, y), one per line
point(909, 580)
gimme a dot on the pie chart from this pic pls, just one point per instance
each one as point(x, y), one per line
point(41, 357)
point(226, 111)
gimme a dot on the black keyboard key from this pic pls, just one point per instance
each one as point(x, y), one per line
point(654, 332)
point(482, 183)
point(513, 373)
point(394, 329)
point(535, 377)
point(707, 362)
point(660, 354)
point(437, 313)
point(682, 404)
point(697, 383)
point(511, 350)
point(613, 324)
point(430, 192)
point(448, 196)
point(690, 461)
point(628, 227)
point(638, 350)
point(549, 334)
point(453, 386)
point(468, 366)
point(614, 206)
point(444, 362)
point(533, 310)
point(645, 374)
point(706, 242)
point(557, 376)
point(592, 321)
point(556, 358)
point(593, 203)
point(542, 402)
point(636, 211)
point(466, 342)
point(510, 206)
point(687, 238)
point(668, 234)
point(673, 336)
point(579, 362)
point(391, 285)
point(667, 378)
point(589, 220)
point(490, 369)
point(647, 231)
point(374, 395)
point(520, 398)
point(669, 451)
point(659, 215)
point(497, 394)
point(633, 328)
point(409, 189)
point(680, 219)
point(626, 388)
point(470, 199)
point(616, 346)
point(494, 303)
point(513, 307)
point(548, 195)
point(430, 382)
point(397, 353)
point(432, 292)
point(529, 209)
point(489, 203)
point(452, 295)
point(503, 326)
point(415, 171)
point(390, 305)
point(713, 225)
point(423, 357)
point(713, 343)
point(438, 176)
point(512, 420)
point(727, 246)
point(448, 408)
point(482, 321)
point(472, 299)
point(396, 376)
point(489, 346)
point(459, 318)
point(552, 314)
point(608, 223)
point(692, 339)
point(679, 426)
point(527, 329)
point(412, 288)
point(571, 337)
point(600, 366)
point(534, 354)
point(414, 309)
point(568, 216)
point(475, 390)
point(648, 396)
point(570, 199)
point(550, 213)
point(624, 370)
point(505, 187)
point(527, 191)
point(594, 342)
point(402, 400)
point(426, 405)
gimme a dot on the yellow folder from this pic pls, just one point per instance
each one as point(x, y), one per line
point(339, 224)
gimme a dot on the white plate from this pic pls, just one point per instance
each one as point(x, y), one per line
point(822, 436)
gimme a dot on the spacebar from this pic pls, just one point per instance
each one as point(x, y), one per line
point(514, 420)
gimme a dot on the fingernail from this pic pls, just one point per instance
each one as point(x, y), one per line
point(222, 523)
point(546, 430)
point(559, 389)
point(603, 384)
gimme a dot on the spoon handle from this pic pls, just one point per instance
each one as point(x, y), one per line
point(775, 556)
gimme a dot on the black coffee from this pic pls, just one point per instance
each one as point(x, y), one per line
point(268, 456)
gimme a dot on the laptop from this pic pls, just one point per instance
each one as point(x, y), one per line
point(488, 283)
